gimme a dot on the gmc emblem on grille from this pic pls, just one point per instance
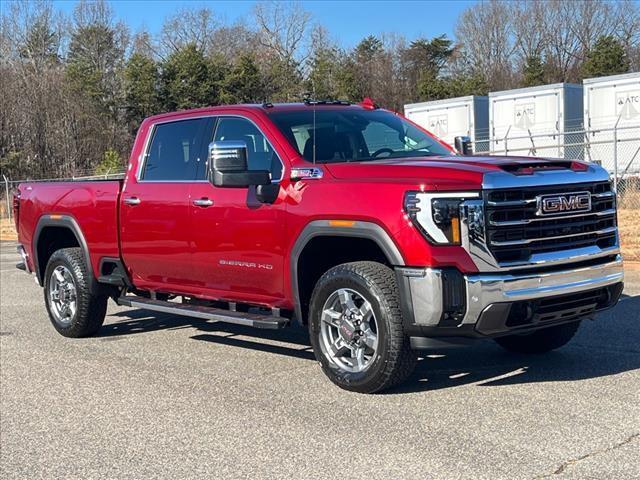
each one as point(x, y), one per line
point(563, 203)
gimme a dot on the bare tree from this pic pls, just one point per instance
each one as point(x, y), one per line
point(283, 28)
point(485, 31)
point(627, 19)
point(231, 41)
point(195, 26)
point(144, 44)
point(592, 20)
point(31, 52)
point(530, 24)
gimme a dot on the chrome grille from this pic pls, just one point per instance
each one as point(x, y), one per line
point(514, 232)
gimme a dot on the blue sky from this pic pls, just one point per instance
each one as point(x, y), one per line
point(347, 21)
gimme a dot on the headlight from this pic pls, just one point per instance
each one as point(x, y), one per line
point(437, 215)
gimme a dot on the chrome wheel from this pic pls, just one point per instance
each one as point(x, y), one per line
point(348, 331)
point(62, 295)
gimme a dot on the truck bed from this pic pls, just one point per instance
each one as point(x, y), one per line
point(91, 204)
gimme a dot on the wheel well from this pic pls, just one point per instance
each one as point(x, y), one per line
point(50, 240)
point(325, 252)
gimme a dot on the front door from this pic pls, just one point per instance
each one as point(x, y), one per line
point(156, 231)
point(238, 251)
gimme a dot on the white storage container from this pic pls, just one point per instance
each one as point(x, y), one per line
point(534, 121)
point(613, 103)
point(453, 117)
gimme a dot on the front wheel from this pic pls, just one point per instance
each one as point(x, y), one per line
point(355, 326)
point(540, 341)
point(73, 310)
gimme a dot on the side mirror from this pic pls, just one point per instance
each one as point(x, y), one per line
point(267, 193)
point(228, 163)
point(463, 145)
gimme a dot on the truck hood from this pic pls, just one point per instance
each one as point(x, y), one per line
point(445, 172)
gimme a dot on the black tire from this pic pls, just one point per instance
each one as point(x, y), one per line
point(540, 341)
point(90, 309)
point(393, 360)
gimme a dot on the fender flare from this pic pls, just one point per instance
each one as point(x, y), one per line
point(360, 229)
point(68, 222)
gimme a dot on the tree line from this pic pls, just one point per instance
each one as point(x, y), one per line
point(75, 88)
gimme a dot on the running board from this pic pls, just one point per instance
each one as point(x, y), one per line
point(206, 313)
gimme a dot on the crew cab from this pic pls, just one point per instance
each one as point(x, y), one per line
point(345, 218)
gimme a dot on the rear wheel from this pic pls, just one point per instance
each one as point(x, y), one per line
point(73, 310)
point(356, 330)
point(540, 341)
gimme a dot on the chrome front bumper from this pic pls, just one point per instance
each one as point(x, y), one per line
point(423, 289)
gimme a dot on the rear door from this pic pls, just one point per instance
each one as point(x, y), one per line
point(239, 242)
point(156, 230)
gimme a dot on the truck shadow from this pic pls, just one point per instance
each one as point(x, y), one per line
point(608, 346)
point(293, 341)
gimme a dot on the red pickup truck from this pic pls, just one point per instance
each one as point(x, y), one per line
point(346, 218)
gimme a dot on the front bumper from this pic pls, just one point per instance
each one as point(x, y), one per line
point(441, 302)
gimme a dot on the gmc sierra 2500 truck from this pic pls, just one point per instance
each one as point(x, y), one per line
point(346, 218)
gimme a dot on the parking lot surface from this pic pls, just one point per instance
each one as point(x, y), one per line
point(158, 396)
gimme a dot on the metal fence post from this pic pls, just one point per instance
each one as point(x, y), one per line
point(6, 192)
point(506, 150)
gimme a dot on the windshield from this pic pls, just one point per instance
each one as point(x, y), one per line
point(346, 135)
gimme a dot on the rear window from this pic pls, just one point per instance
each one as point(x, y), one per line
point(177, 150)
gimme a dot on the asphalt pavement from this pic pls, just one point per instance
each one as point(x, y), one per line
point(159, 396)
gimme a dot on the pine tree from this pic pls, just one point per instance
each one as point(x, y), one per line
point(426, 58)
point(110, 163)
point(533, 72)
point(185, 80)
point(283, 80)
point(41, 45)
point(607, 57)
point(347, 81)
point(322, 78)
point(244, 83)
point(141, 82)
point(94, 64)
point(450, 87)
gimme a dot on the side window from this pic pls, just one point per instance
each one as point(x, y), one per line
point(176, 150)
point(260, 154)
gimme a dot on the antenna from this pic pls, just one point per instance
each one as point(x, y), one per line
point(314, 125)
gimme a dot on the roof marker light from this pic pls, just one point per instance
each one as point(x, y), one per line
point(368, 104)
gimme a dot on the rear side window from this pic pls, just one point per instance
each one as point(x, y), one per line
point(177, 149)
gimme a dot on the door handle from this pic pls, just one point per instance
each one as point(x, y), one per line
point(203, 202)
point(132, 201)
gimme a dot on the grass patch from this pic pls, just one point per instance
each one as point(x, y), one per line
point(629, 224)
point(7, 230)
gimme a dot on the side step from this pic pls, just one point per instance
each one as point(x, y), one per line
point(207, 313)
